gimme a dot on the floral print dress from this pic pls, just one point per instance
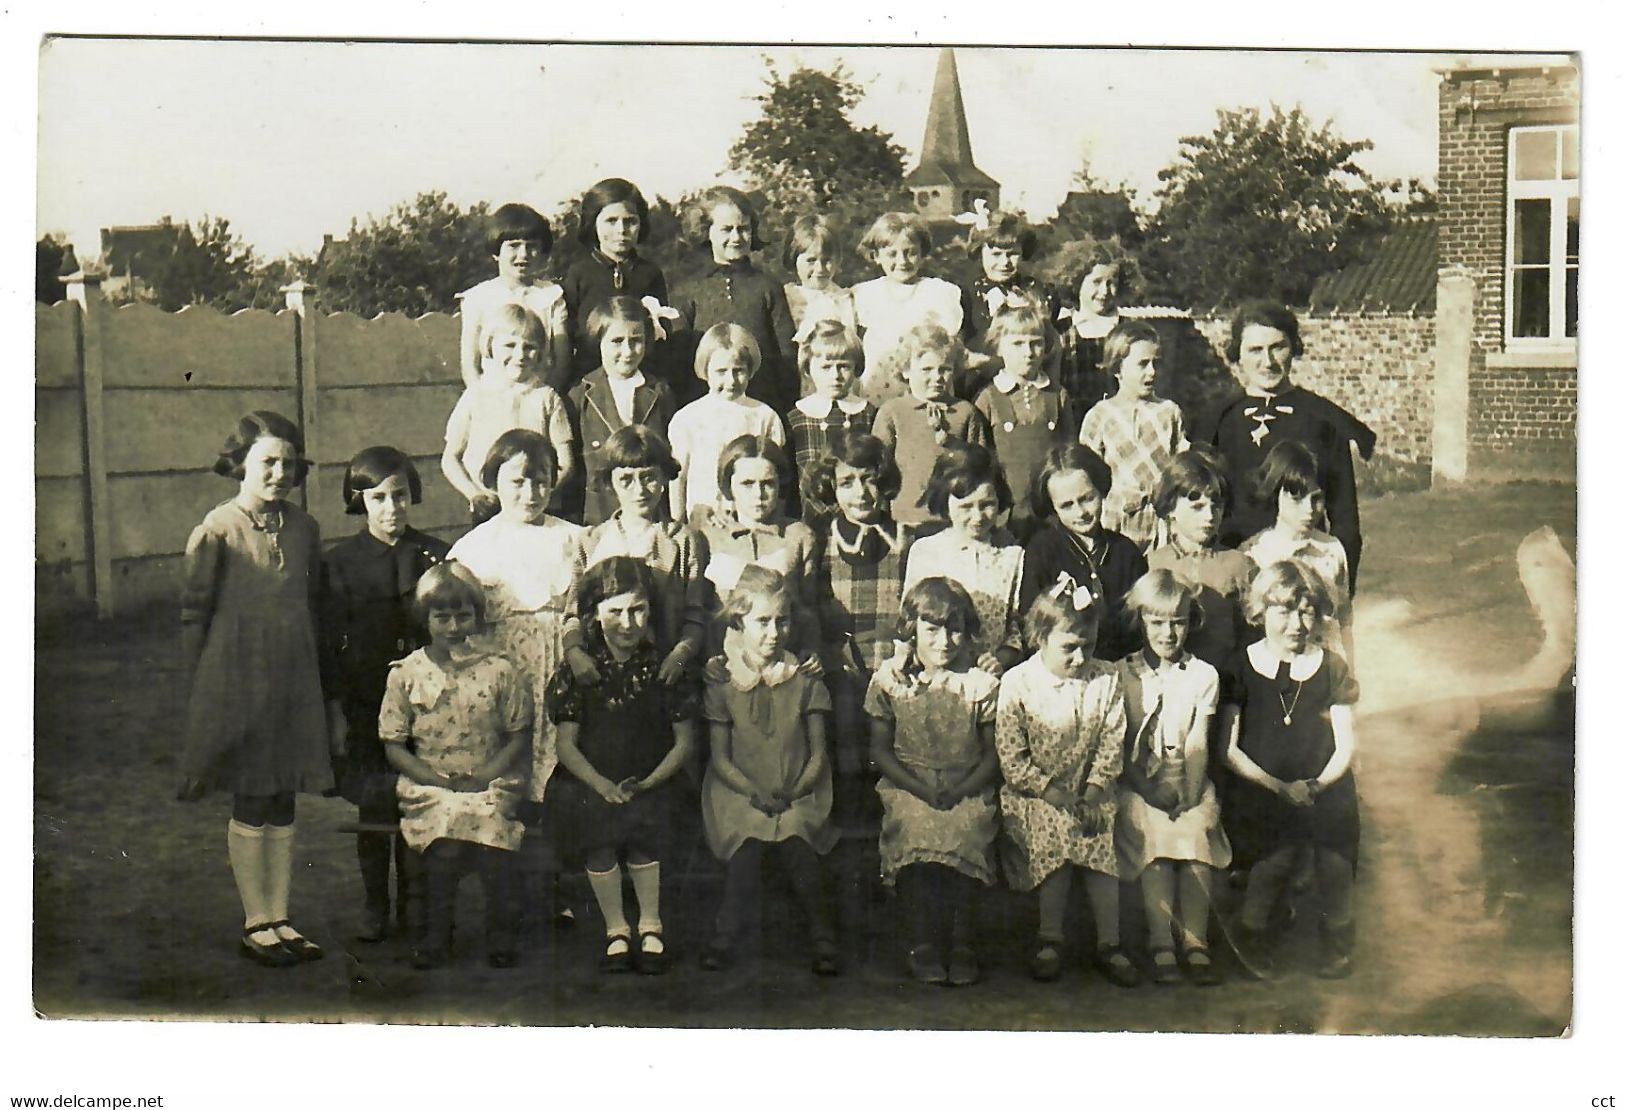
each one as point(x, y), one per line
point(1065, 732)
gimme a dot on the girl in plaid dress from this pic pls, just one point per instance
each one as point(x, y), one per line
point(831, 360)
point(1135, 431)
point(859, 580)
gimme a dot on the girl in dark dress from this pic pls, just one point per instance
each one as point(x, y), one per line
point(614, 221)
point(1292, 786)
point(621, 741)
point(367, 624)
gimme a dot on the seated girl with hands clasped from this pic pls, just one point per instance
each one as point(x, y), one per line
point(767, 786)
point(456, 723)
point(1168, 833)
point(1060, 743)
point(621, 739)
point(932, 740)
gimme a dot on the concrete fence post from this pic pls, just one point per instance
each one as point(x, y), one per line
point(1452, 357)
point(301, 298)
point(85, 290)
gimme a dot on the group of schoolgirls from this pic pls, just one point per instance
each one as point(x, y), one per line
point(1008, 596)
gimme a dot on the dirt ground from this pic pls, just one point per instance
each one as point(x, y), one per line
point(1464, 887)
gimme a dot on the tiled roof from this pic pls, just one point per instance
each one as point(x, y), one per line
point(1397, 275)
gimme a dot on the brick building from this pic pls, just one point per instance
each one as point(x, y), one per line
point(1506, 390)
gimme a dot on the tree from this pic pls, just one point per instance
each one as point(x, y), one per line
point(1261, 208)
point(53, 258)
point(209, 265)
point(415, 260)
point(804, 152)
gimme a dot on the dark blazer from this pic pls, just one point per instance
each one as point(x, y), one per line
point(592, 407)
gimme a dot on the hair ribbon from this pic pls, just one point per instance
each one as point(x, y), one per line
point(978, 217)
point(1067, 585)
point(659, 312)
point(1000, 298)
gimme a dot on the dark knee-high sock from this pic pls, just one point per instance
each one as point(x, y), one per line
point(740, 889)
point(499, 873)
point(914, 898)
point(372, 852)
point(443, 866)
point(959, 899)
point(807, 878)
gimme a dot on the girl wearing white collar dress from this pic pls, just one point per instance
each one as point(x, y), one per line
point(831, 360)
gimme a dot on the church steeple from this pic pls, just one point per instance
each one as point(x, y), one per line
point(946, 181)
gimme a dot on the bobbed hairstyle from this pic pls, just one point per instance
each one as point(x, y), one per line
point(1121, 340)
point(634, 447)
point(511, 319)
point(831, 339)
point(257, 425)
point(960, 470)
point(372, 467)
point(517, 221)
point(697, 215)
point(1008, 231)
point(857, 451)
point(892, 226)
point(750, 447)
point(611, 190)
point(540, 461)
point(809, 232)
point(1195, 472)
point(933, 338)
point(448, 585)
point(756, 583)
point(726, 337)
point(619, 310)
point(1268, 314)
point(1053, 608)
point(1288, 466)
point(941, 601)
point(1023, 319)
point(1288, 582)
point(1060, 459)
point(612, 577)
point(1160, 593)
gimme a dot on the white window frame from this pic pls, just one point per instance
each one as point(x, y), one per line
point(1558, 192)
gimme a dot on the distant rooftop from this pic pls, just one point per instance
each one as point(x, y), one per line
point(1397, 275)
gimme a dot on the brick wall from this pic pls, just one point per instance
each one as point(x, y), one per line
point(1377, 366)
point(1521, 420)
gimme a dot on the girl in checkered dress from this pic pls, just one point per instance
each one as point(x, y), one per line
point(1135, 431)
point(861, 554)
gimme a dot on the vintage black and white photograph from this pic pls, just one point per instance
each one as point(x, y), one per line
point(806, 537)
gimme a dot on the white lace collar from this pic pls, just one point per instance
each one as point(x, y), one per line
point(818, 406)
point(1267, 663)
point(1006, 382)
point(776, 673)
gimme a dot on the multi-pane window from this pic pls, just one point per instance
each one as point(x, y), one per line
point(1543, 234)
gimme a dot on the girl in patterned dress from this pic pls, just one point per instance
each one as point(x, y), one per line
point(622, 740)
point(1289, 480)
point(1292, 763)
point(859, 585)
point(455, 722)
point(968, 489)
point(1191, 504)
point(1098, 281)
point(1168, 832)
point(1026, 411)
point(900, 299)
point(767, 786)
point(528, 563)
point(831, 359)
point(1060, 741)
point(367, 623)
point(812, 252)
point(254, 721)
point(932, 739)
point(1135, 431)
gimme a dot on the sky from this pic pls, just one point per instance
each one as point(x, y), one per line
point(291, 140)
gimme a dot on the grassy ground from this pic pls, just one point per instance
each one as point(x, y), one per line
point(1465, 882)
